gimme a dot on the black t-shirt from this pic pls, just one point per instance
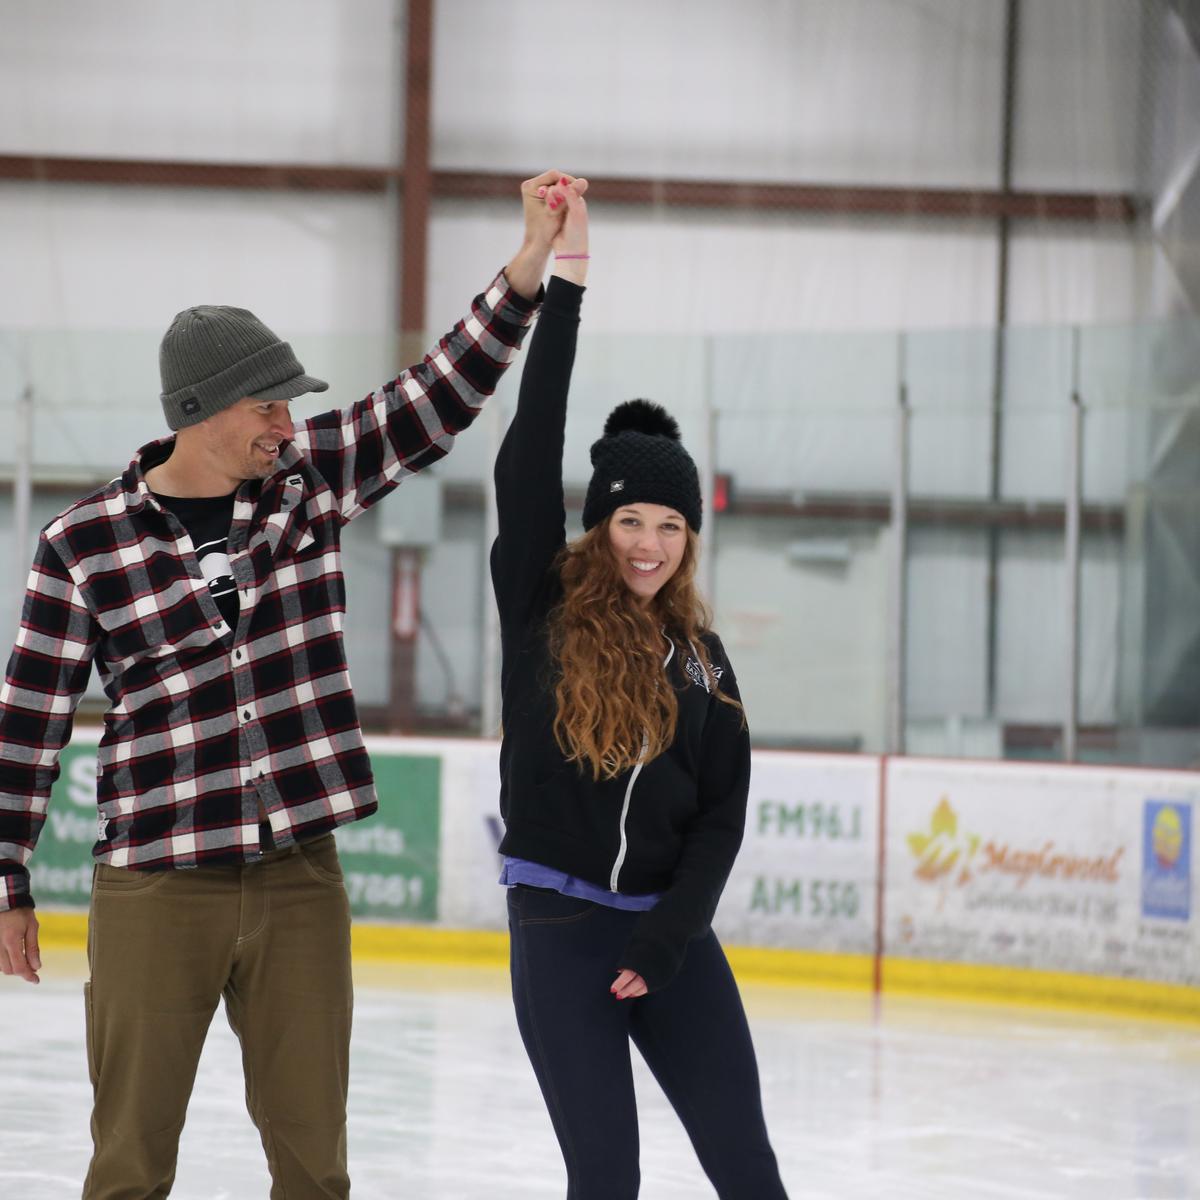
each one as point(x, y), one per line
point(207, 521)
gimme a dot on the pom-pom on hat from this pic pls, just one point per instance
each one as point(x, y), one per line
point(640, 460)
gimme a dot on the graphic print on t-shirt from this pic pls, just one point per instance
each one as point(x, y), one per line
point(207, 520)
point(214, 562)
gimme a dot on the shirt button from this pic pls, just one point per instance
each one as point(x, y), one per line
point(245, 714)
point(238, 655)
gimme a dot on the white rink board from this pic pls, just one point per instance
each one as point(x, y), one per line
point(805, 877)
point(1078, 869)
point(469, 892)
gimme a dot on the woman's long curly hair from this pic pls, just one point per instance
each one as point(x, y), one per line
point(614, 707)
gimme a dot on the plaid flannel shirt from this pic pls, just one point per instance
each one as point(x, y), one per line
point(211, 729)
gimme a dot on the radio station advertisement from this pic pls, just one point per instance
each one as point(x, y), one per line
point(1075, 869)
point(805, 878)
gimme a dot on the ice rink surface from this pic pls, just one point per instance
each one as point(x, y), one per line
point(934, 1100)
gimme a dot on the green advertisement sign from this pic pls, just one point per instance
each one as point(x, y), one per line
point(61, 867)
point(390, 860)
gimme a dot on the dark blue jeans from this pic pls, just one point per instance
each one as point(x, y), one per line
point(692, 1034)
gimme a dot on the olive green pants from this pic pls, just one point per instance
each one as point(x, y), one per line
point(163, 947)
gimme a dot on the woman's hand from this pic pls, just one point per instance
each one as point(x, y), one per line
point(570, 244)
point(541, 202)
point(543, 224)
point(628, 986)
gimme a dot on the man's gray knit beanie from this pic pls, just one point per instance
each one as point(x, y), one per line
point(213, 355)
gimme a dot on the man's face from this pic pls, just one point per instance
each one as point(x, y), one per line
point(243, 440)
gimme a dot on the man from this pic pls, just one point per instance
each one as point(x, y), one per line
point(205, 584)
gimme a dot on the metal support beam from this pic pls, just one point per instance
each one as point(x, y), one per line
point(410, 324)
point(414, 221)
point(984, 204)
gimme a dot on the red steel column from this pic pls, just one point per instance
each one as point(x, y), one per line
point(410, 293)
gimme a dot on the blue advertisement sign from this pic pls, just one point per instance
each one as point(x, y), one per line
point(1167, 860)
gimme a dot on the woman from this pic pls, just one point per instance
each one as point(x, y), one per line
point(625, 765)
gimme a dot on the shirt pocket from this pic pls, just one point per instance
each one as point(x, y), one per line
point(169, 622)
point(301, 540)
point(290, 535)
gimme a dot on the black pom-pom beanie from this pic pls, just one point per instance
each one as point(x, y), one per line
point(640, 460)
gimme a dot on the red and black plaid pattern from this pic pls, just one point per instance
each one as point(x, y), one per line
point(209, 728)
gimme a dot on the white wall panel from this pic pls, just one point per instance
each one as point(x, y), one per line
point(1032, 653)
point(1060, 280)
point(456, 600)
point(1079, 106)
point(98, 273)
point(947, 627)
point(949, 377)
point(946, 639)
point(1077, 273)
point(688, 273)
point(808, 639)
point(130, 258)
point(226, 80)
point(863, 91)
point(367, 566)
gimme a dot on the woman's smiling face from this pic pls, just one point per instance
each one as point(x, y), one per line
point(648, 541)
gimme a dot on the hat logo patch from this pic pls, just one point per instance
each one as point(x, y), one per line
point(617, 485)
point(190, 406)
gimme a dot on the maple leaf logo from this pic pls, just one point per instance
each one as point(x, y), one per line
point(941, 850)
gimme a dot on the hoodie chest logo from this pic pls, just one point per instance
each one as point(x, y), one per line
point(698, 675)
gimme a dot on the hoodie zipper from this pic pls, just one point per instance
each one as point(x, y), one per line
point(624, 846)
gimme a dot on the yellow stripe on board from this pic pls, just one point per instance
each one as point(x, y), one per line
point(901, 976)
point(421, 943)
point(62, 930)
point(1050, 989)
point(802, 967)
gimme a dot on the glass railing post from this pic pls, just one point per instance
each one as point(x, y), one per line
point(1072, 552)
point(899, 565)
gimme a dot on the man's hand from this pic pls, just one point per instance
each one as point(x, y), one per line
point(19, 954)
point(542, 200)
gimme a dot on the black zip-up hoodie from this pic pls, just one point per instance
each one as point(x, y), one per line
point(672, 825)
